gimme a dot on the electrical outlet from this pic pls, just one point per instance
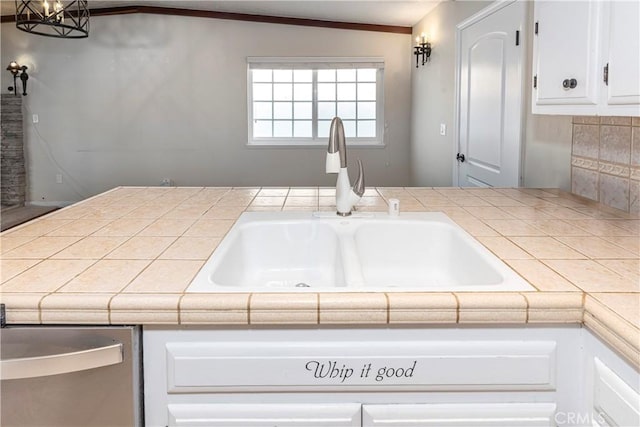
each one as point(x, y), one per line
point(58, 178)
point(166, 182)
point(443, 129)
point(35, 118)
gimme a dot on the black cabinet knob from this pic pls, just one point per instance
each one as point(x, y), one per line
point(569, 83)
point(460, 157)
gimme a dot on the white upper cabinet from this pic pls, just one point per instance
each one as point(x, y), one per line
point(621, 57)
point(573, 44)
point(566, 57)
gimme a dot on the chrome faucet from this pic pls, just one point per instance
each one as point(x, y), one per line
point(346, 196)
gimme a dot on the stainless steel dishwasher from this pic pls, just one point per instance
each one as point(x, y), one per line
point(70, 376)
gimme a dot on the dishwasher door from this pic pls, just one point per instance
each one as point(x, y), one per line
point(70, 376)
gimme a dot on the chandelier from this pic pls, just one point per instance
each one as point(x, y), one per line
point(53, 18)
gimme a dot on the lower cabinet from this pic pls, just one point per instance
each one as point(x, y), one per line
point(445, 377)
point(613, 388)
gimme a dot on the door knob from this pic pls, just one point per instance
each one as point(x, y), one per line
point(460, 157)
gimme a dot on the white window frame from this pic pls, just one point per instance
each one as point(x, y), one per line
point(315, 64)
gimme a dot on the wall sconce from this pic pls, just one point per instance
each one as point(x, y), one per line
point(14, 69)
point(422, 48)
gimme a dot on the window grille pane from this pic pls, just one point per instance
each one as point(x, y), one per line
point(302, 110)
point(282, 110)
point(326, 75)
point(262, 110)
point(262, 75)
point(347, 110)
point(296, 101)
point(282, 75)
point(346, 75)
point(262, 129)
point(326, 110)
point(302, 129)
point(326, 91)
point(282, 129)
point(347, 91)
point(349, 128)
point(262, 92)
point(366, 91)
point(366, 110)
point(302, 92)
point(282, 92)
point(303, 76)
point(366, 128)
point(323, 128)
point(367, 74)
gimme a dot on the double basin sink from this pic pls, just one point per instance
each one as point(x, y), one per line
point(321, 252)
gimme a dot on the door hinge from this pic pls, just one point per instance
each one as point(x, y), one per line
point(3, 316)
point(517, 37)
point(535, 82)
point(606, 74)
point(535, 30)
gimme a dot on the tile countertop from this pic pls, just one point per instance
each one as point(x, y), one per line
point(127, 255)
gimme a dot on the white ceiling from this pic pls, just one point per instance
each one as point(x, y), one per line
point(389, 12)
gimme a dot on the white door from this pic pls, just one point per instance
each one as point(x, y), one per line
point(491, 49)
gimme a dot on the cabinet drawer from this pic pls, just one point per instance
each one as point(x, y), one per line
point(360, 365)
point(460, 415)
point(264, 415)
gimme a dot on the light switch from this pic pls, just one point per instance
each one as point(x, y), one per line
point(36, 119)
point(443, 129)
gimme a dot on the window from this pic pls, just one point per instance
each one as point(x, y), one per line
point(293, 100)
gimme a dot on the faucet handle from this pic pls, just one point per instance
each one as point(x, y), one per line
point(358, 186)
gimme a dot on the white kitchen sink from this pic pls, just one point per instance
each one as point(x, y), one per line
point(321, 252)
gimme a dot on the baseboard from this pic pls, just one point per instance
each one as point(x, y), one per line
point(59, 204)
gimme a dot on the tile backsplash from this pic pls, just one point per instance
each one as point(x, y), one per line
point(605, 161)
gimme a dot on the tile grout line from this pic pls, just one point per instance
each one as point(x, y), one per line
point(457, 307)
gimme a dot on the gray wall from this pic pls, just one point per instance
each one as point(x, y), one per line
point(547, 139)
point(147, 97)
point(434, 94)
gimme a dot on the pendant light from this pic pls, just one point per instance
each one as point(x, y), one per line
point(53, 18)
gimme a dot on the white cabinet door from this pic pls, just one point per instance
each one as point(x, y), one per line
point(460, 415)
point(621, 56)
point(615, 402)
point(264, 415)
point(566, 53)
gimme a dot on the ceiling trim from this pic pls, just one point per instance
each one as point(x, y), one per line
point(126, 10)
